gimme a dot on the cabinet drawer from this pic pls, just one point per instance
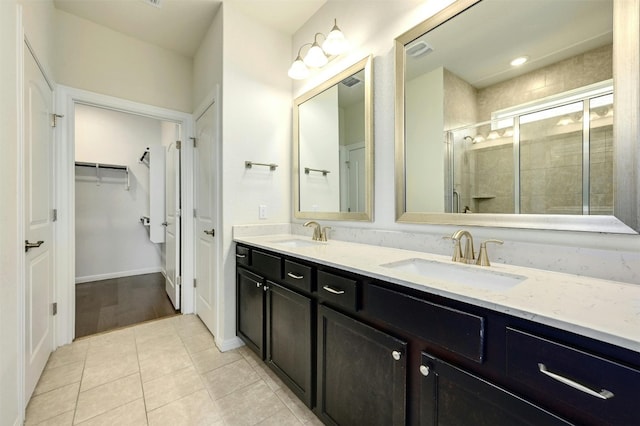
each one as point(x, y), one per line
point(457, 331)
point(338, 290)
point(267, 264)
point(243, 255)
point(601, 391)
point(298, 275)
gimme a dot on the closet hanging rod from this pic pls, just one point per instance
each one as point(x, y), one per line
point(98, 166)
point(249, 164)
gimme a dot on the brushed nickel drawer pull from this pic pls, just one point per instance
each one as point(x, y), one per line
point(241, 256)
point(603, 394)
point(333, 290)
point(295, 277)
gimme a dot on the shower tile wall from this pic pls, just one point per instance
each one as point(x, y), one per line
point(553, 167)
point(590, 67)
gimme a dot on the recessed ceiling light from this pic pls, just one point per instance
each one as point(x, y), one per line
point(519, 61)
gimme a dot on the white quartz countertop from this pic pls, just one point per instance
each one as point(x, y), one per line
point(603, 310)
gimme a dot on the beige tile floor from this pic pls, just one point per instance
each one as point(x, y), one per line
point(165, 372)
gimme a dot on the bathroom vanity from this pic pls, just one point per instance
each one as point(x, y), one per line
point(363, 335)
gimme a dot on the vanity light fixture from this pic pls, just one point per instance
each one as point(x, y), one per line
point(519, 61)
point(316, 57)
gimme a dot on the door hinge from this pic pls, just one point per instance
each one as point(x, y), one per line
point(54, 119)
point(54, 215)
point(195, 214)
point(194, 283)
point(54, 308)
point(178, 280)
point(178, 144)
point(194, 141)
point(179, 212)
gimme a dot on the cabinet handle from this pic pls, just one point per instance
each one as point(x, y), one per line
point(294, 276)
point(333, 290)
point(424, 370)
point(603, 394)
point(396, 355)
point(241, 256)
point(265, 288)
point(258, 285)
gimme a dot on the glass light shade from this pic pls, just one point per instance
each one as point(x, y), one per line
point(298, 70)
point(335, 43)
point(315, 57)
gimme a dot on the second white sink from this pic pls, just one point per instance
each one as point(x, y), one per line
point(296, 243)
point(469, 275)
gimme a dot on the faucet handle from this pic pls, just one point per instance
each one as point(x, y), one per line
point(457, 250)
point(324, 235)
point(483, 256)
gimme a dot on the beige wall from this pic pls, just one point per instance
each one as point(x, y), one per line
point(95, 58)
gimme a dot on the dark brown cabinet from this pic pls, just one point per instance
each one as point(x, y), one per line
point(288, 336)
point(450, 396)
point(276, 322)
point(361, 373)
point(250, 310)
point(360, 351)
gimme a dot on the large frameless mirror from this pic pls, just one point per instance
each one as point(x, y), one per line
point(333, 147)
point(505, 117)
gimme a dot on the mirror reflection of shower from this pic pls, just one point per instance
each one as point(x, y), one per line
point(555, 157)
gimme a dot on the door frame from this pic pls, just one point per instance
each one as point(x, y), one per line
point(65, 100)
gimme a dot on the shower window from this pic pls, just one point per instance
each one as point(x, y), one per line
point(557, 159)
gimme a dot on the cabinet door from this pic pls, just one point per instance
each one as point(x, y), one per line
point(450, 396)
point(250, 291)
point(289, 339)
point(361, 373)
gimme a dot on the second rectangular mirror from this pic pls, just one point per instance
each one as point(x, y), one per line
point(333, 147)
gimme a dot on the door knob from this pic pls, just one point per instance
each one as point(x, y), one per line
point(212, 232)
point(28, 245)
point(396, 355)
point(424, 370)
point(165, 224)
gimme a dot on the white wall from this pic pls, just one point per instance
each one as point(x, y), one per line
point(424, 147)
point(319, 143)
point(10, 250)
point(95, 58)
point(257, 127)
point(207, 63)
point(110, 240)
point(373, 30)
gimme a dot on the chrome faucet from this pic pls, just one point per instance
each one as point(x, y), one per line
point(468, 254)
point(317, 233)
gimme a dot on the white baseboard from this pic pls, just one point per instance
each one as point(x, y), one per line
point(229, 344)
point(90, 278)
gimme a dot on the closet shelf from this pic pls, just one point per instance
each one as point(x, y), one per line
point(99, 166)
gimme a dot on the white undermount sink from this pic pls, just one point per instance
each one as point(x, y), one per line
point(469, 275)
point(296, 243)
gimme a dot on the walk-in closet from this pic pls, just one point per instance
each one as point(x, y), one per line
point(126, 230)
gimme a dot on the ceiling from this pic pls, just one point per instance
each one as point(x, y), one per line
point(180, 25)
point(478, 44)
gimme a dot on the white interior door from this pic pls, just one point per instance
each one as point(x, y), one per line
point(356, 179)
point(206, 184)
point(38, 196)
point(172, 223)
